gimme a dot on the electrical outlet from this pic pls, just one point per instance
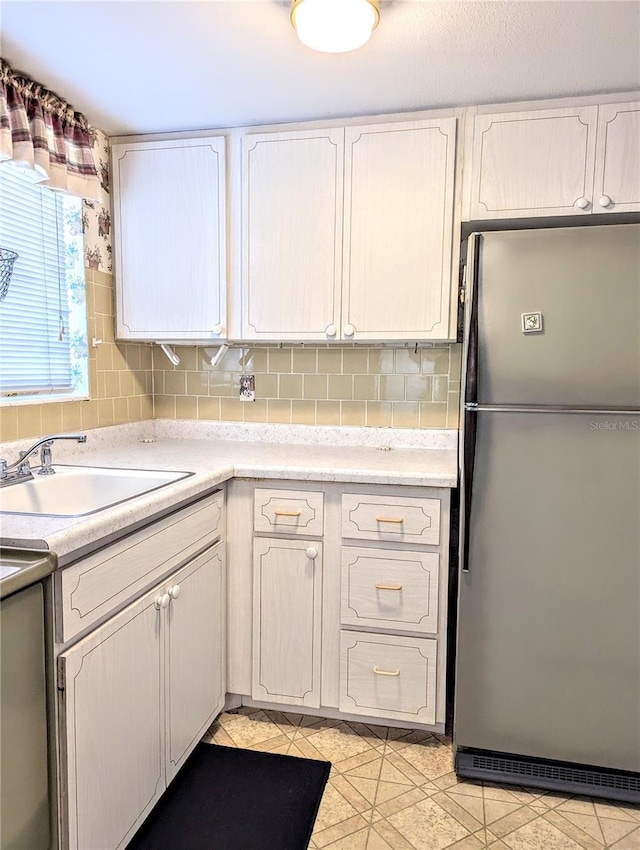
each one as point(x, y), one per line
point(247, 388)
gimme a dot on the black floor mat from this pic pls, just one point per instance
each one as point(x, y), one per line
point(232, 799)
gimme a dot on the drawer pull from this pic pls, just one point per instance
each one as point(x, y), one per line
point(163, 601)
point(397, 519)
point(288, 513)
point(380, 586)
point(386, 672)
point(312, 553)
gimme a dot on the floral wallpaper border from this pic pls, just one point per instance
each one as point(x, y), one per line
point(76, 319)
point(96, 217)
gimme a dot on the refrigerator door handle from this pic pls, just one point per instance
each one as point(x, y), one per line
point(470, 429)
point(470, 423)
point(474, 407)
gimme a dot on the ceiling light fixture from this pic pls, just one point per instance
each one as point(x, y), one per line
point(334, 26)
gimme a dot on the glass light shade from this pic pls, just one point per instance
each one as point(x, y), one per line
point(334, 26)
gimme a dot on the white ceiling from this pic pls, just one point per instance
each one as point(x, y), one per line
point(133, 66)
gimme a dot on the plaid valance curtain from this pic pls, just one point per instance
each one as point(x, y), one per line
point(41, 132)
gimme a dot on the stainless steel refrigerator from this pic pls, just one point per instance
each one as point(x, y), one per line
point(548, 647)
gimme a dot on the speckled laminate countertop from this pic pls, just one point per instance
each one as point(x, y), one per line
point(215, 454)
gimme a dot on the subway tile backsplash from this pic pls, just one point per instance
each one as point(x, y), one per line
point(325, 385)
point(380, 387)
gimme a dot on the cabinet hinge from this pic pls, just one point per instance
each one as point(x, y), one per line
point(61, 675)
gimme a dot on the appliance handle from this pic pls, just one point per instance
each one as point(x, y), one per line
point(470, 416)
point(549, 408)
point(469, 448)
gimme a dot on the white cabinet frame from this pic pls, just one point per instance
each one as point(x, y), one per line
point(349, 233)
point(281, 172)
point(398, 230)
point(136, 696)
point(287, 621)
point(576, 156)
point(170, 266)
point(617, 179)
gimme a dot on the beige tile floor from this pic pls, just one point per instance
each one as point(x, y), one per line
point(393, 789)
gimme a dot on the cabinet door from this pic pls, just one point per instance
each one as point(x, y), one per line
point(399, 202)
point(533, 163)
point(287, 613)
point(113, 727)
point(617, 182)
point(195, 651)
point(169, 216)
point(292, 234)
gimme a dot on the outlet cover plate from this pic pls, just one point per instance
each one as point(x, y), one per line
point(247, 388)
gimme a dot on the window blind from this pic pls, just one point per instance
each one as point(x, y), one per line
point(33, 359)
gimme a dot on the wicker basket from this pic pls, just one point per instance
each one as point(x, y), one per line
point(7, 259)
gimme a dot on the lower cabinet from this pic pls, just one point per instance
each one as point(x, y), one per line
point(136, 696)
point(287, 621)
point(195, 654)
point(352, 619)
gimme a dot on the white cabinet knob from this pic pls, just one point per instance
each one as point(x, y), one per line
point(605, 201)
point(174, 591)
point(349, 330)
point(582, 203)
point(331, 330)
point(218, 329)
point(312, 553)
point(163, 601)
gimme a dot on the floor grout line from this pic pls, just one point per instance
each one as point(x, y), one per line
point(434, 789)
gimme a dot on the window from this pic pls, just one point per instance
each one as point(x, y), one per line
point(43, 322)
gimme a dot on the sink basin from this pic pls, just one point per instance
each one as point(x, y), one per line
point(81, 490)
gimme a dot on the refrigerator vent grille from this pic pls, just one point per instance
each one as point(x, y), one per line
point(556, 773)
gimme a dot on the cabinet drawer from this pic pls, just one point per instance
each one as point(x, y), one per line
point(95, 586)
point(390, 590)
point(398, 518)
point(289, 512)
point(387, 676)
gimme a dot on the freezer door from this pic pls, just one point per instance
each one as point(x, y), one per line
point(582, 285)
point(548, 659)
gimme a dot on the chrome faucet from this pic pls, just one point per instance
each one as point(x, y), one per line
point(20, 470)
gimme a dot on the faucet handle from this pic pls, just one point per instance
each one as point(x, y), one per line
point(24, 466)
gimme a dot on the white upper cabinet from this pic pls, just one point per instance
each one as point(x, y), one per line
point(617, 180)
point(348, 233)
point(292, 190)
point(548, 162)
point(170, 259)
point(537, 163)
point(398, 229)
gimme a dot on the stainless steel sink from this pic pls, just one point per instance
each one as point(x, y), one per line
point(81, 490)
